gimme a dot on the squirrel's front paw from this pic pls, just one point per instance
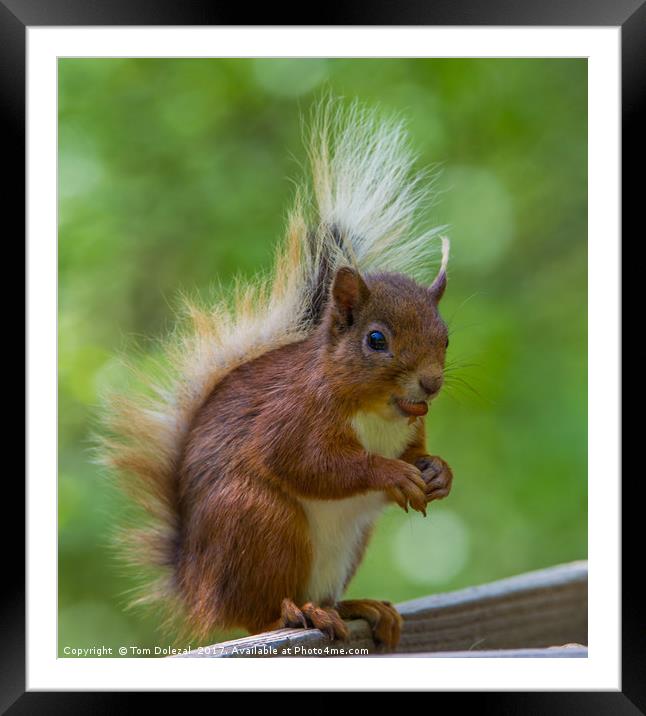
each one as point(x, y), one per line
point(437, 475)
point(406, 486)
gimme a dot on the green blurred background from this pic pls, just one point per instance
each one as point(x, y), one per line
point(175, 175)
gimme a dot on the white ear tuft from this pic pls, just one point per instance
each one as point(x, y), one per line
point(446, 245)
point(439, 284)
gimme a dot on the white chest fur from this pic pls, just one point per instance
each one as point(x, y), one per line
point(383, 436)
point(337, 527)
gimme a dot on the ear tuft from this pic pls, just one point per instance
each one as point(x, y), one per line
point(349, 293)
point(439, 284)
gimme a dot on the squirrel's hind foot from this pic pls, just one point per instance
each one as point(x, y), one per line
point(384, 620)
point(311, 616)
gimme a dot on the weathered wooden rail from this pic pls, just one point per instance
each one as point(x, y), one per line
point(538, 614)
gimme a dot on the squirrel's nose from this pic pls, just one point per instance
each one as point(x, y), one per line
point(431, 385)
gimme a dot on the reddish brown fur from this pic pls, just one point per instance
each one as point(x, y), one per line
point(273, 395)
point(277, 429)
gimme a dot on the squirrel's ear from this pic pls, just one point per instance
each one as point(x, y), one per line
point(349, 293)
point(436, 289)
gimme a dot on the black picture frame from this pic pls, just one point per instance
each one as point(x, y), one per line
point(17, 15)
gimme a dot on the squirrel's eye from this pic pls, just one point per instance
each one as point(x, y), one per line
point(377, 341)
point(447, 342)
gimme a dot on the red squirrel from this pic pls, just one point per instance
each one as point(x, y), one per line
point(289, 420)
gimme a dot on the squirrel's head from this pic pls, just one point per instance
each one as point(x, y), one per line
point(386, 340)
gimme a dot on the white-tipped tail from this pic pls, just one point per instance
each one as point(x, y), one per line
point(366, 188)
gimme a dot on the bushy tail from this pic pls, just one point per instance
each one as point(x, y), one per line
point(360, 210)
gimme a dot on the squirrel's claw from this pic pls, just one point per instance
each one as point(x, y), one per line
point(326, 620)
point(291, 617)
point(311, 616)
point(408, 488)
point(396, 494)
point(384, 620)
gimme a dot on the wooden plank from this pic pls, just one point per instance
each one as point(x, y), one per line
point(553, 652)
point(530, 611)
point(537, 609)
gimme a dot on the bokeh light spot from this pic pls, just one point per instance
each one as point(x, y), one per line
point(78, 174)
point(478, 208)
point(289, 78)
point(432, 550)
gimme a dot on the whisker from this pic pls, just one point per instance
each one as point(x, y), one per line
point(448, 391)
point(461, 305)
point(459, 382)
point(453, 330)
point(458, 365)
